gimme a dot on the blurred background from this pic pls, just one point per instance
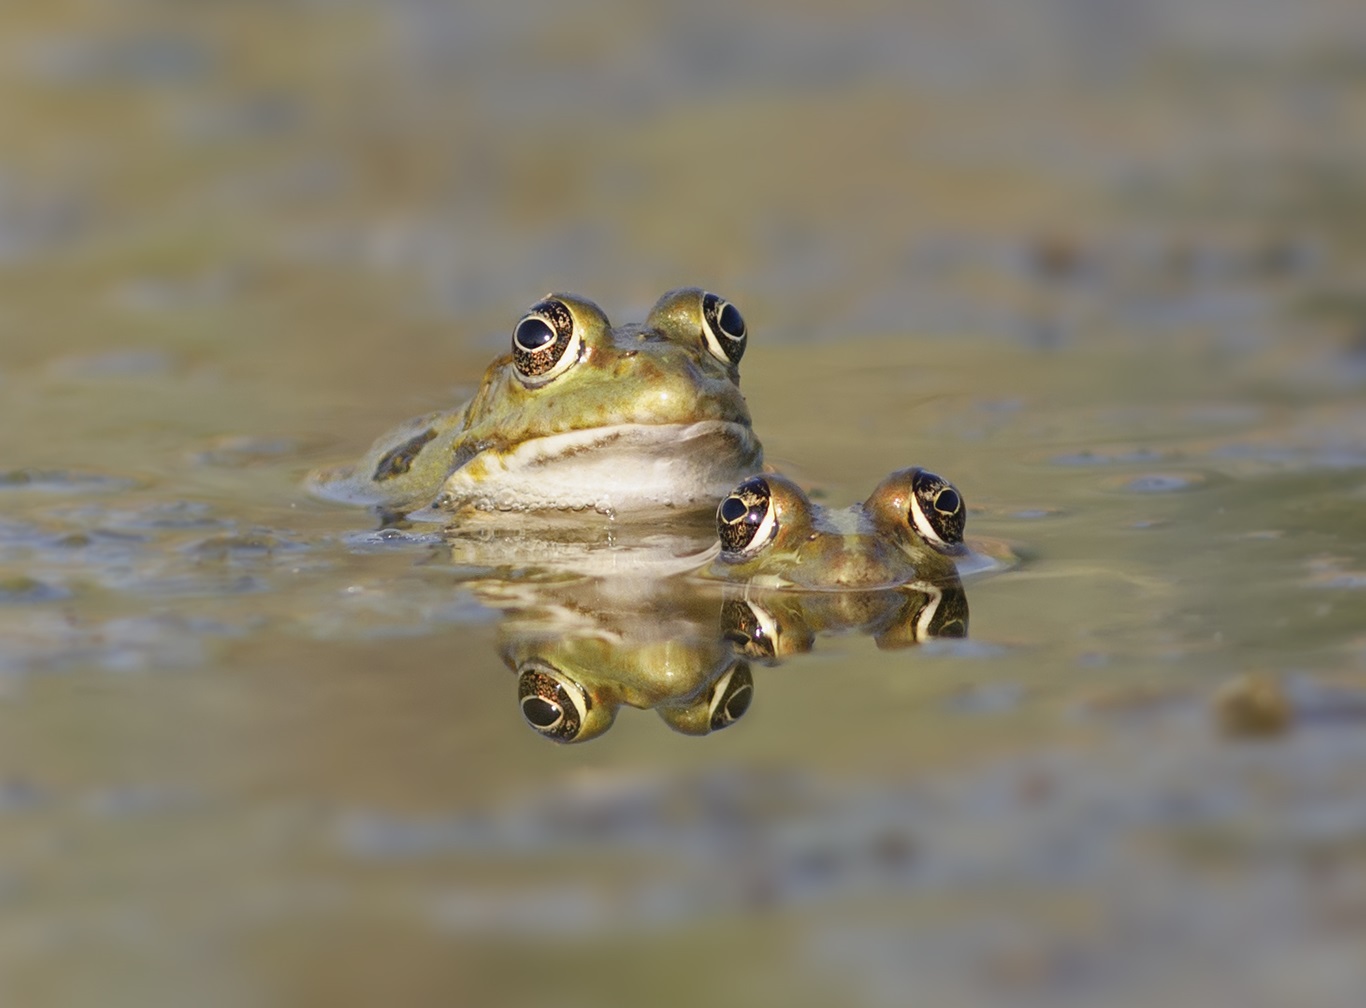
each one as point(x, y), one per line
point(1101, 263)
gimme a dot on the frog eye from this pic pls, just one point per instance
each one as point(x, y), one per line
point(552, 704)
point(731, 696)
point(545, 343)
point(945, 613)
point(745, 520)
point(937, 511)
point(930, 611)
point(750, 629)
point(724, 328)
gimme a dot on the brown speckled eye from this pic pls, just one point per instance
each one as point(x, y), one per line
point(724, 329)
point(545, 343)
point(748, 629)
point(937, 511)
point(552, 704)
point(745, 519)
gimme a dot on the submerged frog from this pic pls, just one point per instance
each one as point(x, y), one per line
point(908, 530)
point(578, 414)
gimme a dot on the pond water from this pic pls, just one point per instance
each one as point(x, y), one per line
point(1099, 265)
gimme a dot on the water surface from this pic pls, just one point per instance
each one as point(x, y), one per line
point(253, 753)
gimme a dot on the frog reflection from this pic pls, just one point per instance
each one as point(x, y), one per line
point(770, 625)
point(583, 649)
point(577, 705)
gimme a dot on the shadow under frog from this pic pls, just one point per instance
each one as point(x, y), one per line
point(670, 621)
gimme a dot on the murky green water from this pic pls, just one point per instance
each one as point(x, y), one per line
point(1099, 267)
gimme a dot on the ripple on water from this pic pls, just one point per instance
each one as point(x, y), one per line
point(240, 451)
point(242, 547)
point(162, 516)
point(963, 647)
point(1318, 456)
point(1037, 513)
point(64, 481)
point(1091, 458)
point(1333, 572)
point(21, 589)
point(1160, 482)
point(389, 538)
point(49, 641)
point(115, 364)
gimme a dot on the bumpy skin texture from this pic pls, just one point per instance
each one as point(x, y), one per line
point(772, 535)
point(619, 419)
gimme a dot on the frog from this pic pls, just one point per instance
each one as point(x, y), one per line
point(577, 416)
point(909, 530)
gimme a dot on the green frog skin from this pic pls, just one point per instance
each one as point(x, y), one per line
point(908, 530)
point(577, 415)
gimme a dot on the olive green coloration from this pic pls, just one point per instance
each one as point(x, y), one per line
point(908, 530)
point(577, 415)
point(584, 649)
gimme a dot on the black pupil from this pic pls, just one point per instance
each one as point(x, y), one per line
point(947, 501)
point(533, 333)
point(733, 509)
point(738, 702)
point(732, 322)
point(541, 712)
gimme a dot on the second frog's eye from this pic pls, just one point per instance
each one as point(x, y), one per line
point(937, 511)
point(724, 329)
point(745, 519)
point(545, 343)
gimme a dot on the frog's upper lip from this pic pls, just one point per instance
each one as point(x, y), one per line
point(550, 448)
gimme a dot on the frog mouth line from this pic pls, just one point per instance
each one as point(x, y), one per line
point(610, 469)
point(553, 448)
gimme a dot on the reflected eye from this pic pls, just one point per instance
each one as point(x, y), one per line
point(937, 511)
point(552, 704)
point(545, 343)
point(750, 630)
point(731, 696)
point(724, 329)
point(745, 519)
